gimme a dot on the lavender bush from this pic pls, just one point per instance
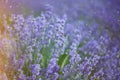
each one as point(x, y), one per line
point(45, 50)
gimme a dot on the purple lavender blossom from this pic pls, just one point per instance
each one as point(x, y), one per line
point(36, 69)
point(52, 69)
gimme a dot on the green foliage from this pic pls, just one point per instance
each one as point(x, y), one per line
point(25, 68)
point(46, 54)
point(63, 60)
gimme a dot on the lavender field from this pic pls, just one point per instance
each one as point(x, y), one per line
point(60, 40)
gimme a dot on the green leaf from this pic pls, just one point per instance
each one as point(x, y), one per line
point(25, 68)
point(63, 60)
point(46, 54)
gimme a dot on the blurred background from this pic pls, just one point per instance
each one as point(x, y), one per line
point(105, 12)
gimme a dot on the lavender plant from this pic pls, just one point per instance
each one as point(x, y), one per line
point(46, 52)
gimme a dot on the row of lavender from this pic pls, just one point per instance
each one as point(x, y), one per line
point(46, 51)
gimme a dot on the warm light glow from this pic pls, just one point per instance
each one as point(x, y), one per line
point(5, 50)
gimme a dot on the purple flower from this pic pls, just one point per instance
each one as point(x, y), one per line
point(52, 69)
point(35, 69)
